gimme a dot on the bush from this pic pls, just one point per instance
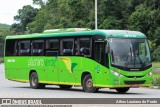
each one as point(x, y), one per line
point(156, 54)
point(156, 75)
point(1, 60)
point(156, 81)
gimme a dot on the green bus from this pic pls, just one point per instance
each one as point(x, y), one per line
point(93, 59)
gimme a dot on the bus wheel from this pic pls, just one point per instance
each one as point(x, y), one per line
point(122, 90)
point(88, 84)
point(65, 86)
point(34, 81)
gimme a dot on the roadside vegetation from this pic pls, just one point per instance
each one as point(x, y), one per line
point(1, 60)
point(4, 31)
point(156, 74)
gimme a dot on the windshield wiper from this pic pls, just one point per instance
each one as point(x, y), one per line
point(141, 62)
point(112, 55)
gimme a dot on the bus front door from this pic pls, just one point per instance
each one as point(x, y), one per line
point(99, 57)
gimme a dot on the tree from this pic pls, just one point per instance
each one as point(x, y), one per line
point(25, 15)
point(4, 31)
point(64, 14)
point(39, 2)
point(38, 24)
point(111, 23)
point(16, 28)
point(139, 20)
point(116, 9)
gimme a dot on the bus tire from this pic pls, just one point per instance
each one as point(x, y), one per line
point(34, 81)
point(88, 84)
point(65, 86)
point(122, 90)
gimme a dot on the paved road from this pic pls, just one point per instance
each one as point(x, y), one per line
point(11, 89)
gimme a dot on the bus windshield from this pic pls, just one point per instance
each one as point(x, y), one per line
point(129, 53)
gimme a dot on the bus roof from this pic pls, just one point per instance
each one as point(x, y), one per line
point(105, 33)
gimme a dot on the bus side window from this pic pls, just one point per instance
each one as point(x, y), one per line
point(24, 48)
point(10, 45)
point(38, 47)
point(52, 47)
point(67, 47)
point(85, 46)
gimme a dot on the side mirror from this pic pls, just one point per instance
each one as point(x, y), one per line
point(107, 49)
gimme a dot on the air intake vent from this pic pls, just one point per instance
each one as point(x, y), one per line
point(134, 82)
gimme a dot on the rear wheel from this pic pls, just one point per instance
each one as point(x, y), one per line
point(88, 84)
point(34, 81)
point(122, 90)
point(65, 86)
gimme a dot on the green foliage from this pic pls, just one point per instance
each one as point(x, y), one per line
point(17, 29)
point(25, 16)
point(111, 23)
point(156, 54)
point(156, 81)
point(4, 26)
point(139, 20)
point(156, 74)
point(39, 23)
point(39, 2)
point(156, 65)
point(64, 14)
point(4, 30)
point(1, 60)
point(156, 77)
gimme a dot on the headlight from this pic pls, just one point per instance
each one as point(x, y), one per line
point(149, 74)
point(116, 73)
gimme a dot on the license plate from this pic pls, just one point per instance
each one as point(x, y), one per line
point(134, 85)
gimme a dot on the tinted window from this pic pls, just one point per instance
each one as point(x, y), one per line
point(67, 47)
point(10, 45)
point(52, 47)
point(85, 46)
point(24, 47)
point(38, 47)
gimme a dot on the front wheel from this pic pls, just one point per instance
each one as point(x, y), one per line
point(34, 81)
point(122, 90)
point(88, 84)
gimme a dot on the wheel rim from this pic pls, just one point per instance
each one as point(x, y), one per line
point(34, 81)
point(89, 83)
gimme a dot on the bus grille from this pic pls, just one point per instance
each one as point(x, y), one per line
point(134, 76)
point(134, 82)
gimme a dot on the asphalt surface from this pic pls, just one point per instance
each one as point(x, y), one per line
point(11, 89)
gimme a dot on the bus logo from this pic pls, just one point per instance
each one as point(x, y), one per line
point(70, 66)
